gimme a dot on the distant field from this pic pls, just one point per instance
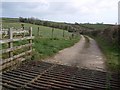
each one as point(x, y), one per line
point(45, 31)
point(96, 26)
point(45, 46)
point(10, 20)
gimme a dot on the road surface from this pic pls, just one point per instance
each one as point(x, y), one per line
point(84, 54)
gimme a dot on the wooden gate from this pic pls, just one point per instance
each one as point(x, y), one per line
point(18, 48)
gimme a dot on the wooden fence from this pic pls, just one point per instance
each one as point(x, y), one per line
point(10, 37)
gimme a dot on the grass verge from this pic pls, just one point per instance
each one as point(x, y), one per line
point(46, 47)
point(111, 51)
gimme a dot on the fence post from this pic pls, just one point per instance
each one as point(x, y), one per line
point(0, 31)
point(63, 33)
point(0, 53)
point(22, 27)
point(38, 31)
point(30, 41)
point(10, 33)
point(10, 43)
point(52, 32)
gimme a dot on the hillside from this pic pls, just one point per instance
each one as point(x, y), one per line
point(48, 42)
point(45, 31)
point(96, 26)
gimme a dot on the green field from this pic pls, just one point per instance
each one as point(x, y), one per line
point(44, 31)
point(44, 44)
point(96, 26)
point(47, 47)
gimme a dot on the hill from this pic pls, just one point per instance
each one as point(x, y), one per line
point(96, 26)
point(47, 43)
point(44, 31)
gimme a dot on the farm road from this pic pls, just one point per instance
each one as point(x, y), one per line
point(85, 54)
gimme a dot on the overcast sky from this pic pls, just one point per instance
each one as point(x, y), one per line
point(81, 11)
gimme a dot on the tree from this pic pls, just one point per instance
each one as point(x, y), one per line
point(76, 23)
point(21, 19)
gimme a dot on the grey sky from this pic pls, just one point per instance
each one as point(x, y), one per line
point(63, 10)
point(119, 13)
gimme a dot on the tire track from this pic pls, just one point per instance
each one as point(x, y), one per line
point(84, 54)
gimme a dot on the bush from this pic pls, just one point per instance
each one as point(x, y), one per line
point(109, 42)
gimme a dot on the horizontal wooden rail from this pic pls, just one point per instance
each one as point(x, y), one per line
point(15, 48)
point(15, 57)
point(14, 40)
point(13, 31)
point(21, 31)
point(12, 62)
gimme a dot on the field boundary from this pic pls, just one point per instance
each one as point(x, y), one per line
point(9, 37)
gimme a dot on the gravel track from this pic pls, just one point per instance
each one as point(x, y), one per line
point(84, 54)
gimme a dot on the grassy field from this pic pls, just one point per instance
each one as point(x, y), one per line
point(47, 47)
point(44, 44)
point(44, 31)
point(96, 26)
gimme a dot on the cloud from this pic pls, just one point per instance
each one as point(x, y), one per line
point(63, 10)
point(24, 0)
point(23, 8)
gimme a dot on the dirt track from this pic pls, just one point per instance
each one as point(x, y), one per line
point(85, 54)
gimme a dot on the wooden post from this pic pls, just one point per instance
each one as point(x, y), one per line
point(0, 53)
point(63, 33)
point(38, 31)
point(30, 41)
point(52, 32)
point(30, 32)
point(72, 35)
point(23, 29)
point(0, 31)
point(10, 43)
point(22, 26)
